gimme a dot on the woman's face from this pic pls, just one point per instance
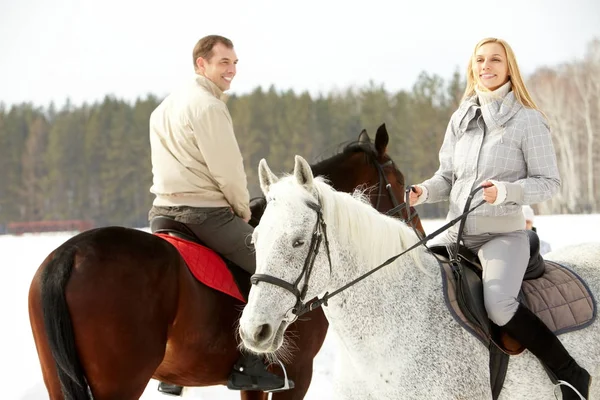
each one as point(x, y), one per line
point(490, 66)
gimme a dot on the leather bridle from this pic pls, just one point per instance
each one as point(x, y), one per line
point(396, 211)
point(319, 234)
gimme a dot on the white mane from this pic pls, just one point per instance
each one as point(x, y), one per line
point(356, 223)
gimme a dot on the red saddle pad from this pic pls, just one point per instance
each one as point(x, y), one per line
point(206, 265)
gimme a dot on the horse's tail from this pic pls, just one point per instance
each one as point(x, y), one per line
point(59, 328)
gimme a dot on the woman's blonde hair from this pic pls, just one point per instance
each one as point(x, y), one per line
point(514, 75)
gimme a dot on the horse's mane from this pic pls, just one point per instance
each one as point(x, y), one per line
point(376, 236)
point(322, 167)
point(367, 148)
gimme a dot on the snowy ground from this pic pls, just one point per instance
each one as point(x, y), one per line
point(21, 255)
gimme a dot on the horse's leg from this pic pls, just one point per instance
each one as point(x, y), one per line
point(308, 336)
point(41, 341)
point(253, 395)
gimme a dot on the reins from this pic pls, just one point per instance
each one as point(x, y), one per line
point(304, 308)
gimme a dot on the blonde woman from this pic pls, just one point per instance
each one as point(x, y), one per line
point(500, 140)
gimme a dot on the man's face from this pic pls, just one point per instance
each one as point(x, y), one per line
point(221, 67)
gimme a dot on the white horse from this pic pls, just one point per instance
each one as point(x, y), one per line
point(397, 339)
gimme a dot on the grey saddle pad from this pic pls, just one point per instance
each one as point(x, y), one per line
point(560, 298)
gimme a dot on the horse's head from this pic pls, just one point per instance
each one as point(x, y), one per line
point(285, 241)
point(367, 165)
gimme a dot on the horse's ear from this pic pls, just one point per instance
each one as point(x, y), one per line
point(303, 173)
point(381, 140)
point(265, 176)
point(363, 137)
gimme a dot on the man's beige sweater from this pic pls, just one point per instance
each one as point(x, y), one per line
point(196, 160)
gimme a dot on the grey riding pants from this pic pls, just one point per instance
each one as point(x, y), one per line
point(504, 258)
point(219, 229)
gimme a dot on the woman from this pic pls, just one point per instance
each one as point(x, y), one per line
point(498, 139)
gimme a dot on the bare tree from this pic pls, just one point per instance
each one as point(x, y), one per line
point(550, 91)
point(569, 95)
point(580, 73)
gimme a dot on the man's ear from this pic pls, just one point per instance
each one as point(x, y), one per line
point(200, 64)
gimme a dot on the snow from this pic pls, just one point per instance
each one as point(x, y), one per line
point(21, 256)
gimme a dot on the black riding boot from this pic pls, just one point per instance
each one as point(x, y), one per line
point(172, 390)
point(250, 373)
point(528, 329)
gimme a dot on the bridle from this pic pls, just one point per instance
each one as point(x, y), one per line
point(410, 212)
point(319, 233)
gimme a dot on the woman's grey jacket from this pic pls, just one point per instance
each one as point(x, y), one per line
point(501, 141)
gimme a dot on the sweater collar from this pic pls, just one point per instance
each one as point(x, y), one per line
point(488, 96)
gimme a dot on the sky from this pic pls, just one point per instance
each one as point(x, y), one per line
point(86, 49)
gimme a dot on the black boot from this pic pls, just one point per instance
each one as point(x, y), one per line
point(167, 388)
point(528, 329)
point(250, 373)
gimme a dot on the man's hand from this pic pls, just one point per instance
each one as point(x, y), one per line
point(246, 220)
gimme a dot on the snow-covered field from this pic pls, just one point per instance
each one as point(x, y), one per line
point(21, 255)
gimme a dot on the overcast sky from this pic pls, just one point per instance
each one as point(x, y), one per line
point(84, 49)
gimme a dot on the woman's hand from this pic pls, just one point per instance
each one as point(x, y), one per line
point(414, 195)
point(490, 192)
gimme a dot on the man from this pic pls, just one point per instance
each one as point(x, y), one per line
point(199, 178)
point(529, 215)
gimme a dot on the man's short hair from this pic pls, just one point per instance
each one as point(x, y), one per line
point(204, 47)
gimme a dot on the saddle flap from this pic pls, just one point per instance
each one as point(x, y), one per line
point(469, 295)
point(460, 297)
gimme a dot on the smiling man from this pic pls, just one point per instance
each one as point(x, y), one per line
point(199, 178)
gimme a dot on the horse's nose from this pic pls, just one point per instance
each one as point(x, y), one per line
point(256, 335)
point(262, 333)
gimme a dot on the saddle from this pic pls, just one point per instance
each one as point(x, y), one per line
point(168, 226)
point(556, 294)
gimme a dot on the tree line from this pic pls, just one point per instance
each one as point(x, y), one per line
point(92, 161)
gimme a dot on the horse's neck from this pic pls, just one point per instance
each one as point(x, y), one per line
point(382, 301)
point(331, 171)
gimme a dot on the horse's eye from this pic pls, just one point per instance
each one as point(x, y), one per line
point(298, 243)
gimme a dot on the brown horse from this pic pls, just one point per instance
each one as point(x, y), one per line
point(113, 307)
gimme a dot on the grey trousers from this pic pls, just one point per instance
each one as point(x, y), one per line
point(504, 258)
point(219, 229)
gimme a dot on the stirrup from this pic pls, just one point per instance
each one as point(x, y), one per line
point(564, 383)
point(286, 382)
point(170, 389)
